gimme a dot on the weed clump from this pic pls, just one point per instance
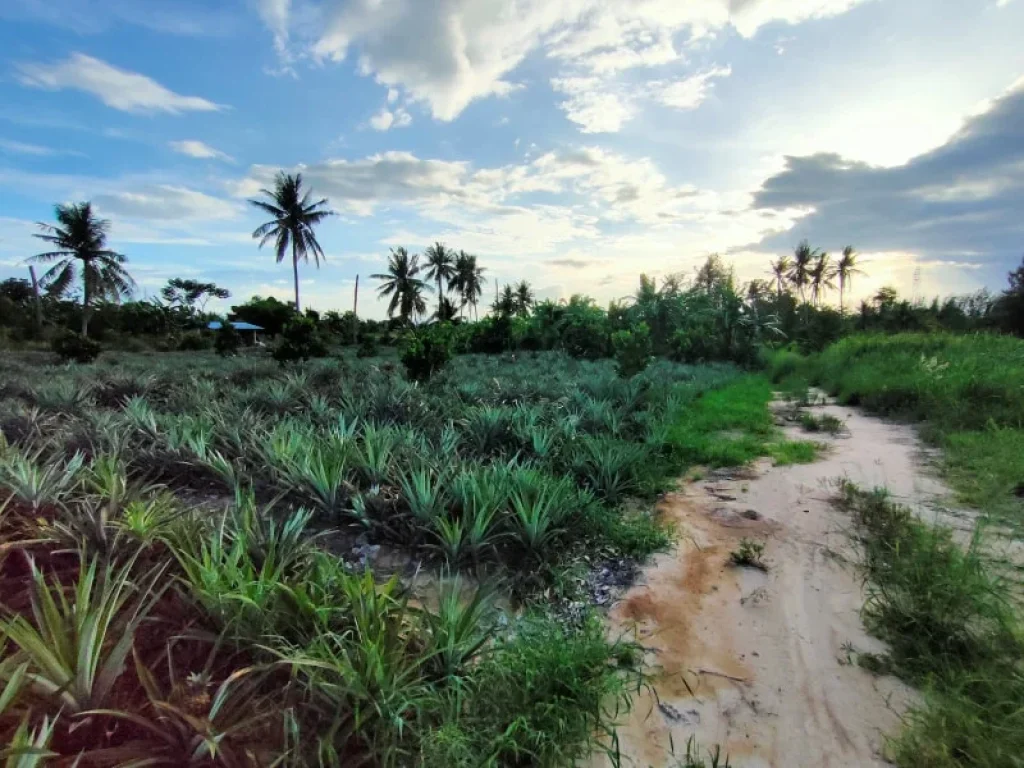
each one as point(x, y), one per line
point(951, 628)
point(749, 554)
point(826, 422)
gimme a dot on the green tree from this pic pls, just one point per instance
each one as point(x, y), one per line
point(80, 246)
point(296, 217)
point(714, 272)
point(440, 266)
point(468, 280)
point(16, 290)
point(505, 303)
point(1010, 306)
point(822, 274)
point(402, 283)
point(523, 298)
point(446, 310)
point(845, 270)
point(780, 269)
point(180, 292)
point(800, 272)
point(886, 297)
point(269, 314)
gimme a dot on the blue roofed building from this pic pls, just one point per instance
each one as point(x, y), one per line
point(250, 333)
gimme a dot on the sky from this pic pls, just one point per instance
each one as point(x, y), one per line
point(571, 143)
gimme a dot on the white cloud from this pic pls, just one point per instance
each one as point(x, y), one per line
point(274, 14)
point(198, 150)
point(690, 92)
point(21, 148)
point(165, 202)
point(386, 119)
point(359, 186)
point(447, 53)
point(193, 18)
point(117, 88)
point(593, 109)
point(610, 206)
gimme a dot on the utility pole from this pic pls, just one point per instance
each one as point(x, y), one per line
point(38, 301)
point(355, 311)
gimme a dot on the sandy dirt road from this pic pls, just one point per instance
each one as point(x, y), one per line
point(758, 662)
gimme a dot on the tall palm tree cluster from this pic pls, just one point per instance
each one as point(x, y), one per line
point(514, 300)
point(811, 273)
point(456, 276)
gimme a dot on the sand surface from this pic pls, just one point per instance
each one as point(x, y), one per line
point(759, 662)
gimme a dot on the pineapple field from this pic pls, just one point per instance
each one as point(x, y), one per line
point(222, 561)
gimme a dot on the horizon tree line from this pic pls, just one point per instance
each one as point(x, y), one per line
point(80, 253)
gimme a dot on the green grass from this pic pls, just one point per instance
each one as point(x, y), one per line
point(987, 470)
point(732, 426)
point(786, 452)
point(952, 631)
point(966, 391)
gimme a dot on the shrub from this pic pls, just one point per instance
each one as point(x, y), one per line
point(193, 341)
point(427, 351)
point(74, 347)
point(632, 349)
point(227, 340)
point(368, 346)
point(300, 340)
point(491, 336)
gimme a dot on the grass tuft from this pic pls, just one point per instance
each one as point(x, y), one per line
point(951, 629)
point(749, 554)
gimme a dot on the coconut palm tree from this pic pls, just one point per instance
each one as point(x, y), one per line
point(800, 271)
point(505, 303)
point(440, 266)
point(446, 310)
point(780, 269)
point(822, 274)
point(475, 289)
point(524, 298)
point(80, 245)
point(468, 280)
point(403, 284)
point(295, 217)
point(845, 270)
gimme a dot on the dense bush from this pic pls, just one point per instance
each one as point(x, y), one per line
point(632, 349)
point(193, 341)
point(368, 346)
point(427, 350)
point(226, 340)
point(268, 313)
point(300, 340)
point(74, 347)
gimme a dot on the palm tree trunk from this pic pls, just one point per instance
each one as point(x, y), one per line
point(37, 301)
point(295, 273)
point(85, 299)
point(842, 290)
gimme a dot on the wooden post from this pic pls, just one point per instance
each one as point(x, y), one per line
point(38, 300)
point(355, 311)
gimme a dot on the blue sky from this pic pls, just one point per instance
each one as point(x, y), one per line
point(574, 143)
